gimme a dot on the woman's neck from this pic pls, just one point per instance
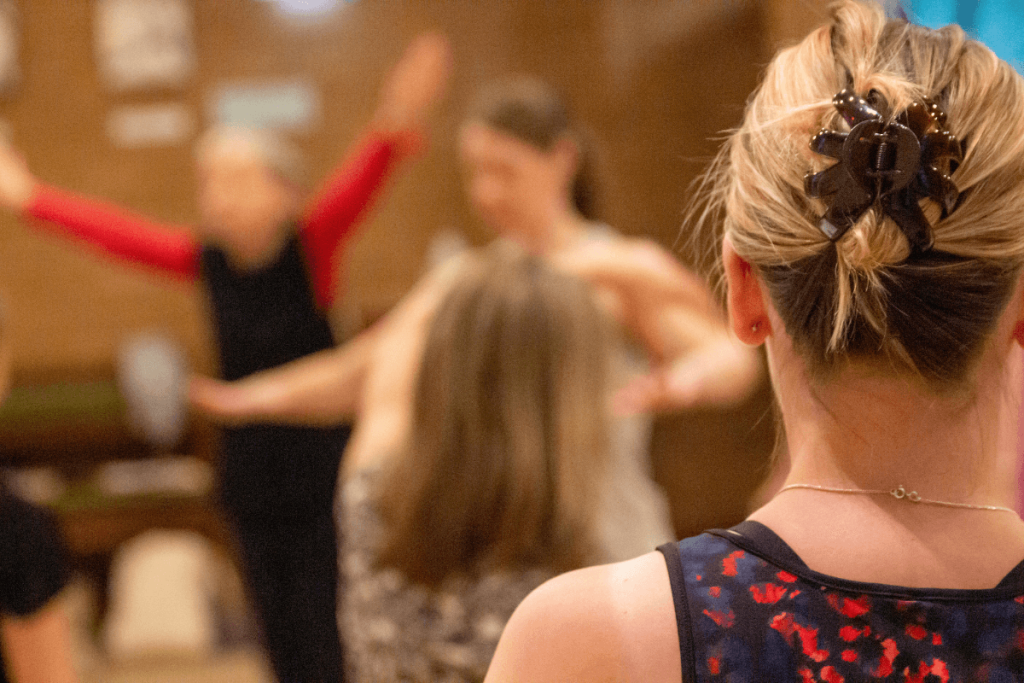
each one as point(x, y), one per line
point(560, 229)
point(253, 250)
point(869, 432)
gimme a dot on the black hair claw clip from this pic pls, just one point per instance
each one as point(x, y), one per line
point(892, 164)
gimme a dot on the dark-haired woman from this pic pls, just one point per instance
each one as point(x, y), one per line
point(871, 206)
point(531, 175)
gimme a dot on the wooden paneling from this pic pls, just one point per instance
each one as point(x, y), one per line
point(788, 21)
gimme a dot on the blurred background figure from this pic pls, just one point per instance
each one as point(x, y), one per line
point(35, 635)
point(494, 481)
point(534, 193)
point(530, 176)
point(267, 265)
point(482, 458)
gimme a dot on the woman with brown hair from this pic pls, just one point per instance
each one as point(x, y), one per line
point(493, 485)
point(871, 205)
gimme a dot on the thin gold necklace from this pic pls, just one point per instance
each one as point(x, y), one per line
point(899, 493)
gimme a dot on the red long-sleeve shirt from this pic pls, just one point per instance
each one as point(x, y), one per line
point(173, 249)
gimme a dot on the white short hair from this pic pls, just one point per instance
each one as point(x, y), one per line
point(280, 155)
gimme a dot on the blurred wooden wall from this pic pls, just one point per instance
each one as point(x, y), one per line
point(656, 80)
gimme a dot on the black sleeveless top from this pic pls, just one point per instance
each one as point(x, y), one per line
point(263, 319)
point(749, 609)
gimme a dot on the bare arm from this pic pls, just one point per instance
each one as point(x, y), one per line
point(321, 389)
point(697, 361)
point(17, 184)
point(330, 387)
point(37, 648)
point(414, 85)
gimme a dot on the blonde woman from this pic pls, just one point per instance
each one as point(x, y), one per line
point(871, 203)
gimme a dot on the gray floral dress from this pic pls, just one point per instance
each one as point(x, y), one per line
point(394, 630)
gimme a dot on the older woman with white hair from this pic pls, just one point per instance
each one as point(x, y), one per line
point(268, 269)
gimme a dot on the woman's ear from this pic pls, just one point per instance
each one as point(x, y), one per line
point(748, 313)
point(1018, 329)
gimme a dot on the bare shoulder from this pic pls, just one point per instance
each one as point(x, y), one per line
point(636, 265)
point(651, 256)
point(640, 251)
point(610, 623)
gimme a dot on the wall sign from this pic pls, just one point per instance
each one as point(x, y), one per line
point(292, 105)
point(145, 44)
point(150, 125)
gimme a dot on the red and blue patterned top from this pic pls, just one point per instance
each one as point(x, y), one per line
point(748, 609)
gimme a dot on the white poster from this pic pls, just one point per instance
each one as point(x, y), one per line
point(144, 44)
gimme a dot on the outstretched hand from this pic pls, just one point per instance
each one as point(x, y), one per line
point(223, 402)
point(17, 184)
point(671, 312)
point(415, 83)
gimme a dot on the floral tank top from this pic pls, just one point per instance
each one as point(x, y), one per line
point(748, 609)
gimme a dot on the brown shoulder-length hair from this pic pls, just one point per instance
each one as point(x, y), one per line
point(509, 437)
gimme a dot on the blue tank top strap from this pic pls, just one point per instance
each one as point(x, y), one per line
point(759, 539)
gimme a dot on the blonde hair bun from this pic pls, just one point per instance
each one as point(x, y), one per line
point(869, 296)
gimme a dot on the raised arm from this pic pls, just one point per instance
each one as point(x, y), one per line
point(396, 131)
point(696, 360)
point(109, 228)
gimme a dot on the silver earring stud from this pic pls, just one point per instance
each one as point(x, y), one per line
point(755, 327)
